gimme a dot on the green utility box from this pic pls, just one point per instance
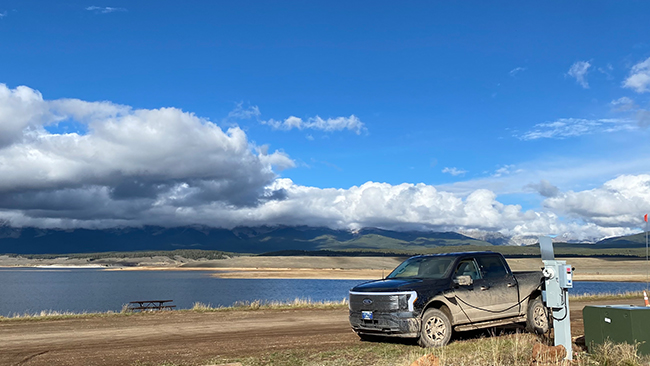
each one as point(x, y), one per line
point(619, 324)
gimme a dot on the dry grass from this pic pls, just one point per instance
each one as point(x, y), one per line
point(54, 315)
point(297, 303)
point(612, 354)
point(198, 306)
point(608, 296)
point(506, 350)
point(516, 350)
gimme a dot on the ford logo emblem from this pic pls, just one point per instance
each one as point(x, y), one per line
point(367, 301)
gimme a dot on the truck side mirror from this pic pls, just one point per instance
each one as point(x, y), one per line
point(463, 280)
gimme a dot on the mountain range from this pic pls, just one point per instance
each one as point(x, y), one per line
point(240, 239)
point(254, 240)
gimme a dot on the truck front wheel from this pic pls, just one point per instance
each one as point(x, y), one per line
point(436, 329)
point(537, 317)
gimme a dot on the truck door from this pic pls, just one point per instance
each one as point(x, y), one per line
point(473, 298)
point(503, 290)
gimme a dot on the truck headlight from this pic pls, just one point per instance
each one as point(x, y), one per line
point(407, 300)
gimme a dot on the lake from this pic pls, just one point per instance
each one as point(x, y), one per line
point(30, 290)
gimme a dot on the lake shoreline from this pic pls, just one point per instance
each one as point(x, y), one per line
point(310, 267)
point(305, 273)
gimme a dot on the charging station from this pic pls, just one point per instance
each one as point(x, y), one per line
point(558, 279)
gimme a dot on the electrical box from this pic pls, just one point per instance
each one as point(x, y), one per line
point(619, 324)
point(566, 276)
point(555, 277)
point(553, 296)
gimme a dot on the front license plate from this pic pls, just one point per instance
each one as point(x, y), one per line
point(366, 315)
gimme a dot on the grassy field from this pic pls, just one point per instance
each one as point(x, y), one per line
point(505, 350)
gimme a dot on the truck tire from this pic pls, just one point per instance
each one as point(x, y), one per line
point(436, 329)
point(537, 317)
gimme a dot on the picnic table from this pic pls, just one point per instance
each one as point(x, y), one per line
point(150, 305)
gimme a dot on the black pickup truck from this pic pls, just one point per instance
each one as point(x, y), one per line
point(428, 296)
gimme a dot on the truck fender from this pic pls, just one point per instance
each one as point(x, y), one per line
point(533, 295)
point(440, 302)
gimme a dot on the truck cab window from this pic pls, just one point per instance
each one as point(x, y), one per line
point(492, 267)
point(422, 267)
point(467, 267)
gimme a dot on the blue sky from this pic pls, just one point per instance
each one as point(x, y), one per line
point(460, 96)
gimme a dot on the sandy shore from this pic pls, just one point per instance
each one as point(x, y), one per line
point(586, 269)
point(278, 273)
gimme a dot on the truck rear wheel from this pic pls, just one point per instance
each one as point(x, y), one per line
point(436, 329)
point(537, 317)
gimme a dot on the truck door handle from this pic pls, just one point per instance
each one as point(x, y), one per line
point(483, 288)
point(511, 285)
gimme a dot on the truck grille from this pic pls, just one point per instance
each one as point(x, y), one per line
point(376, 302)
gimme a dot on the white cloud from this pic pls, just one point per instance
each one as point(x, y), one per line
point(244, 113)
point(573, 127)
point(454, 171)
point(403, 206)
point(629, 107)
point(3, 14)
point(22, 108)
point(639, 78)
point(104, 9)
point(517, 70)
point(643, 118)
point(168, 167)
point(620, 202)
point(544, 188)
point(504, 170)
point(579, 71)
point(131, 153)
point(577, 171)
point(607, 71)
point(623, 103)
point(352, 123)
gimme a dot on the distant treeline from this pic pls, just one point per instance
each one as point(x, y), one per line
point(334, 253)
point(507, 251)
point(185, 253)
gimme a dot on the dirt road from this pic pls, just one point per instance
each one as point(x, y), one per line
point(183, 337)
point(169, 336)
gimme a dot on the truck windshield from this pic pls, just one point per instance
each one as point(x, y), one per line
point(422, 267)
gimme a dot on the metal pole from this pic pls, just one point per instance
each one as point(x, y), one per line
point(557, 295)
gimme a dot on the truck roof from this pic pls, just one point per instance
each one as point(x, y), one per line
point(456, 254)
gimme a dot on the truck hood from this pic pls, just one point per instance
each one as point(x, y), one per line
point(390, 285)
